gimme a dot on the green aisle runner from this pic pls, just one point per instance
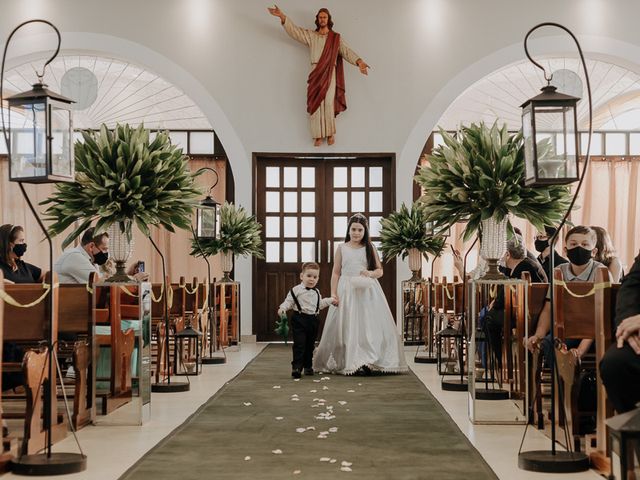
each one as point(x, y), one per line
point(265, 425)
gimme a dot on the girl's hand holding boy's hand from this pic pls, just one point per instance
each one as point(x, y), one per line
point(334, 300)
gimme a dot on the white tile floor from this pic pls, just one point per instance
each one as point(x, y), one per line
point(111, 450)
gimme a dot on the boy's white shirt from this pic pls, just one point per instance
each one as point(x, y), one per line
point(308, 300)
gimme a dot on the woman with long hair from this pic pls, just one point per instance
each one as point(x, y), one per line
point(606, 254)
point(12, 249)
point(359, 333)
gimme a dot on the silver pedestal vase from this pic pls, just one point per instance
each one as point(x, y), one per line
point(493, 245)
point(226, 263)
point(120, 249)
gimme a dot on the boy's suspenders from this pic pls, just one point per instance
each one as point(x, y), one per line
point(295, 299)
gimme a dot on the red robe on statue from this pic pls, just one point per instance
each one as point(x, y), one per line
point(320, 77)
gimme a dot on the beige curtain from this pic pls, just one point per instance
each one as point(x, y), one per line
point(175, 246)
point(609, 198)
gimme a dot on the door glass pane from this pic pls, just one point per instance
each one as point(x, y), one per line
point(308, 201)
point(273, 252)
point(340, 202)
point(201, 143)
point(273, 202)
point(339, 226)
point(290, 177)
point(375, 201)
point(308, 177)
point(290, 251)
point(273, 227)
point(308, 251)
point(273, 177)
point(290, 202)
point(290, 227)
point(374, 226)
point(616, 144)
point(357, 201)
point(340, 177)
point(308, 227)
point(357, 177)
point(375, 176)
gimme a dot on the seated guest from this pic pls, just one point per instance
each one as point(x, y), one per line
point(75, 265)
point(580, 248)
point(530, 255)
point(12, 248)
point(542, 246)
point(620, 366)
point(606, 254)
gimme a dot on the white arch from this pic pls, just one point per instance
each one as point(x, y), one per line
point(29, 47)
point(622, 53)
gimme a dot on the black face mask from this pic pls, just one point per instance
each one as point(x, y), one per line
point(100, 258)
point(19, 249)
point(579, 255)
point(541, 245)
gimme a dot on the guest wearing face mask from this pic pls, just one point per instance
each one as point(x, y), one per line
point(580, 249)
point(542, 246)
point(12, 249)
point(75, 265)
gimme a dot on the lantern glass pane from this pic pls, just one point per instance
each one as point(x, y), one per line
point(529, 152)
point(207, 226)
point(555, 160)
point(28, 142)
point(61, 142)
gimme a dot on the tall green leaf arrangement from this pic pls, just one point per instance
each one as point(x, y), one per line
point(122, 177)
point(478, 174)
point(406, 229)
point(239, 234)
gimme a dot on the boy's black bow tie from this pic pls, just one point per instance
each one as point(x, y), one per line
point(309, 288)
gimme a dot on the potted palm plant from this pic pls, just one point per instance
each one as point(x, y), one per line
point(239, 235)
point(477, 176)
point(404, 233)
point(122, 179)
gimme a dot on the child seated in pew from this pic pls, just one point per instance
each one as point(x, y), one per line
point(580, 249)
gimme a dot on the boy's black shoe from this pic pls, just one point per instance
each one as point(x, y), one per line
point(295, 373)
point(309, 372)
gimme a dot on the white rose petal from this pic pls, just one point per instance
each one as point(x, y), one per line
point(346, 464)
point(324, 433)
point(359, 384)
point(325, 388)
point(351, 391)
point(296, 379)
point(342, 402)
point(326, 378)
point(294, 395)
point(247, 458)
point(321, 400)
point(246, 404)
point(333, 429)
point(276, 386)
point(301, 430)
point(277, 452)
point(333, 460)
point(311, 428)
point(345, 469)
point(279, 418)
point(295, 399)
point(325, 459)
point(316, 381)
point(313, 391)
point(296, 472)
point(322, 436)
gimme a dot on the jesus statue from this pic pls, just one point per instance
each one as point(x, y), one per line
point(325, 86)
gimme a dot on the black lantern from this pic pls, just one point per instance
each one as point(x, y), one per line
point(624, 432)
point(41, 149)
point(186, 353)
point(208, 214)
point(550, 131)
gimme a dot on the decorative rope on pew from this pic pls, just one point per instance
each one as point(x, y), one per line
point(195, 289)
point(128, 292)
point(169, 297)
point(493, 290)
point(89, 288)
point(154, 299)
point(596, 287)
point(12, 301)
point(449, 295)
point(205, 303)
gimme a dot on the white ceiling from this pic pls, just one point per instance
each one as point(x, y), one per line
point(498, 96)
point(117, 91)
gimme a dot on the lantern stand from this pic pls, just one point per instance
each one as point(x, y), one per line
point(461, 384)
point(553, 461)
point(168, 386)
point(48, 462)
point(212, 358)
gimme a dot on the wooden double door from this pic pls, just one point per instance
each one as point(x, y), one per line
point(304, 205)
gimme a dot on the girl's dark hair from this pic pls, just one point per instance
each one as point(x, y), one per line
point(8, 234)
point(329, 23)
point(371, 256)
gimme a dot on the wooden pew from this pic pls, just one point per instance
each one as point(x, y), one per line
point(29, 327)
point(579, 318)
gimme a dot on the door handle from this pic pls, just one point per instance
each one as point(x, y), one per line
point(319, 252)
point(328, 251)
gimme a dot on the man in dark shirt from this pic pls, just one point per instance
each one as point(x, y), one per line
point(542, 246)
point(620, 367)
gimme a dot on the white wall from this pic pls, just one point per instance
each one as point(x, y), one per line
point(249, 78)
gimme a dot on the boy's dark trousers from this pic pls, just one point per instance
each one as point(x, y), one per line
point(305, 330)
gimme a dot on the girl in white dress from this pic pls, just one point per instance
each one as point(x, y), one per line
point(359, 333)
